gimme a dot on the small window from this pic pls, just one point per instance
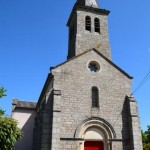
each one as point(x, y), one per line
point(97, 25)
point(95, 97)
point(88, 23)
point(94, 66)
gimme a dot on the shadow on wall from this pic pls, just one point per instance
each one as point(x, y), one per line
point(126, 125)
point(26, 120)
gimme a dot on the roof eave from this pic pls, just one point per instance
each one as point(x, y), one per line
point(117, 67)
point(109, 61)
point(23, 108)
point(48, 80)
point(87, 8)
point(26, 105)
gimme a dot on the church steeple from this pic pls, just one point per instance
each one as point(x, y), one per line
point(88, 28)
point(92, 3)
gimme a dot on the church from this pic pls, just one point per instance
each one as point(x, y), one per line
point(86, 101)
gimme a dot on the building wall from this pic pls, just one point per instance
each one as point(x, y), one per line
point(83, 40)
point(43, 124)
point(87, 40)
point(25, 120)
point(75, 82)
point(135, 125)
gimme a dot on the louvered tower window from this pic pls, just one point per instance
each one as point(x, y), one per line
point(88, 23)
point(97, 25)
point(95, 97)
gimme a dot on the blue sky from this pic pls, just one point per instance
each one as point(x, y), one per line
point(34, 36)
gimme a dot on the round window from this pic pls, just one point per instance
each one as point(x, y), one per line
point(94, 66)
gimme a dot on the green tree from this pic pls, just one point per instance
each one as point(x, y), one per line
point(2, 92)
point(146, 139)
point(2, 112)
point(146, 146)
point(9, 132)
point(147, 133)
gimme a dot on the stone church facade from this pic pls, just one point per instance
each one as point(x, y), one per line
point(85, 103)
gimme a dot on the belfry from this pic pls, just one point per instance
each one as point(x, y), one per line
point(88, 28)
point(85, 103)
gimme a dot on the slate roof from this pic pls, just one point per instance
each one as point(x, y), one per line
point(23, 104)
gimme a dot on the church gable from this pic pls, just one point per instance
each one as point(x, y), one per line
point(79, 83)
point(100, 57)
point(75, 78)
point(78, 67)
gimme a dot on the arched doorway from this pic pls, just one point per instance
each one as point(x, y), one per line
point(96, 134)
point(95, 139)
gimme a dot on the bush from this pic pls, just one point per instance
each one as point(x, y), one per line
point(9, 133)
point(147, 146)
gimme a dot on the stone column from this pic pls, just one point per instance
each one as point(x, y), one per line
point(56, 121)
point(136, 138)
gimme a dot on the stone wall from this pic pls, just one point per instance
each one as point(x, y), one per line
point(75, 81)
point(135, 128)
point(83, 40)
point(86, 40)
point(43, 124)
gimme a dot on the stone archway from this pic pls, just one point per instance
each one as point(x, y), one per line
point(94, 129)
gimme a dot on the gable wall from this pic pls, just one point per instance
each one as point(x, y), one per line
point(75, 82)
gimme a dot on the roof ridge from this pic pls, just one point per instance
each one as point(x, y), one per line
point(26, 101)
point(107, 59)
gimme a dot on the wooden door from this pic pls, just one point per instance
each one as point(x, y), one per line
point(93, 145)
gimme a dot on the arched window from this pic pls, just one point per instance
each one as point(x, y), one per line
point(88, 23)
point(97, 25)
point(95, 97)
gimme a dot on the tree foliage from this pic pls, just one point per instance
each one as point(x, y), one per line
point(9, 133)
point(146, 146)
point(146, 139)
point(147, 133)
point(2, 112)
point(2, 92)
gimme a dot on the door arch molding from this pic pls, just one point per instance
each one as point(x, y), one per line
point(97, 123)
point(105, 134)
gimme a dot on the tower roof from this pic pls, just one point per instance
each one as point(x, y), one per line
point(92, 3)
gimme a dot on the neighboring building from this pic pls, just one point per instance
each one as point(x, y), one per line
point(25, 113)
point(85, 103)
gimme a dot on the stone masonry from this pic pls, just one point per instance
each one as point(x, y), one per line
point(66, 117)
point(80, 39)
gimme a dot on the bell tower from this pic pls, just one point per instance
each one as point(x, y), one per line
point(88, 28)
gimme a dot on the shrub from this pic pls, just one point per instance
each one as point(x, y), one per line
point(147, 146)
point(9, 133)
